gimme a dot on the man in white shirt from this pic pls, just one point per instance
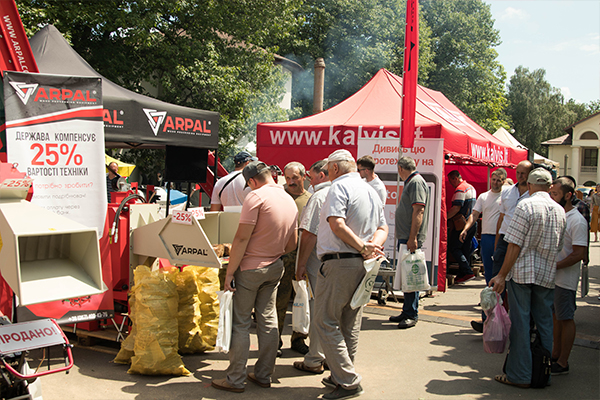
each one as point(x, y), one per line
point(567, 275)
point(308, 263)
point(487, 205)
point(508, 203)
point(231, 190)
point(352, 227)
point(366, 169)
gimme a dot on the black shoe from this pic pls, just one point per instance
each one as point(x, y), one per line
point(478, 326)
point(327, 381)
point(341, 393)
point(407, 323)
point(299, 346)
point(279, 353)
point(557, 369)
point(398, 318)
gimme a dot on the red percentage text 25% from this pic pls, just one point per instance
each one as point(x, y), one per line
point(51, 154)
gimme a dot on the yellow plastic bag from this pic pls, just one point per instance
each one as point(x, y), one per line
point(189, 314)
point(208, 286)
point(156, 338)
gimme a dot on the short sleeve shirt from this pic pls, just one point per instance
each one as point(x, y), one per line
point(537, 227)
point(488, 204)
point(576, 234)
point(415, 191)
point(309, 220)
point(354, 200)
point(508, 202)
point(464, 196)
point(379, 187)
point(234, 193)
point(274, 216)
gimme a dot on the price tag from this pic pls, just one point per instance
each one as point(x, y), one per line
point(23, 183)
point(197, 212)
point(182, 217)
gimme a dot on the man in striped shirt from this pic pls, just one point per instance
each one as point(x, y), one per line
point(535, 237)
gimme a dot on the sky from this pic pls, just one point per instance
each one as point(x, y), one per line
point(562, 37)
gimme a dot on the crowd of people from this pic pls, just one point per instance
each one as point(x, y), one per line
point(534, 236)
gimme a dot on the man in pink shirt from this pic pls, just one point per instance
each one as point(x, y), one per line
point(266, 231)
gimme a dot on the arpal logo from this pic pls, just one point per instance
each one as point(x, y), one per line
point(24, 90)
point(155, 119)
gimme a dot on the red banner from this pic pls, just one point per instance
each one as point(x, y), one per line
point(410, 76)
point(15, 52)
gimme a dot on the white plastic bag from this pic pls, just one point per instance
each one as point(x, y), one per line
point(225, 322)
point(363, 291)
point(300, 310)
point(488, 299)
point(414, 271)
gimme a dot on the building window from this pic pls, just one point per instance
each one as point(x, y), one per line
point(589, 135)
point(589, 162)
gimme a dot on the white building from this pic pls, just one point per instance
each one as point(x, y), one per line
point(577, 151)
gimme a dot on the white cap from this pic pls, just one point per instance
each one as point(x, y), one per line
point(540, 176)
point(340, 155)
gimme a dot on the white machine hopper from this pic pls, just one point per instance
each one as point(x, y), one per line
point(46, 257)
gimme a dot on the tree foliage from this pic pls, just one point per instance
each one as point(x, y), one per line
point(356, 38)
point(538, 110)
point(218, 55)
point(210, 55)
point(466, 69)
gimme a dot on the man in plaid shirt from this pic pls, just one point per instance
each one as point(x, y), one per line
point(535, 237)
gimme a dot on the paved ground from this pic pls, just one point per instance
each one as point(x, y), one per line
point(442, 357)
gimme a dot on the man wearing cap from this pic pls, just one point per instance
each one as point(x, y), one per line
point(535, 237)
point(266, 231)
point(352, 227)
point(231, 190)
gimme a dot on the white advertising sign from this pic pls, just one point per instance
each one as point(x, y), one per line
point(29, 335)
point(55, 133)
point(429, 157)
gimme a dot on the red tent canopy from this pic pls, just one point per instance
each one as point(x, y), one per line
point(374, 111)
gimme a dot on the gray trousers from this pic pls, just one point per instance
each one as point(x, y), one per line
point(337, 324)
point(315, 356)
point(254, 289)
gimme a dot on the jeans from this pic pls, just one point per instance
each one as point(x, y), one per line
point(499, 255)
point(410, 308)
point(487, 251)
point(525, 302)
point(461, 251)
point(411, 305)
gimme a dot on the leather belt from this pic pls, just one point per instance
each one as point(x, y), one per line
point(332, 256)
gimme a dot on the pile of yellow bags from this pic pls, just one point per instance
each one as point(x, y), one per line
point(172, 312)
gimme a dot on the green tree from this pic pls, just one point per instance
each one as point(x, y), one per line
point(466, 67)
point(536, 108)
point(356, 38)
point(208, 55)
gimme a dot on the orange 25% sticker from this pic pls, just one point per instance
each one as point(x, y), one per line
point(52, 153)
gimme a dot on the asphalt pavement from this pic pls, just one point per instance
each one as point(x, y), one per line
point(441, 357)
